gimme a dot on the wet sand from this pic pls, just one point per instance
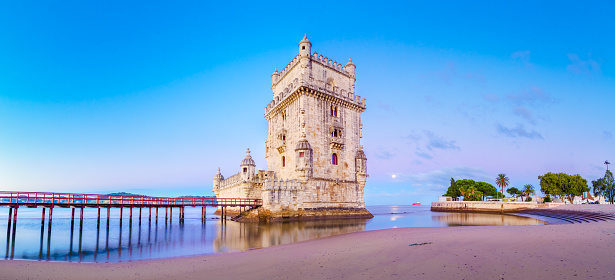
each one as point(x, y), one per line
point(562, 251)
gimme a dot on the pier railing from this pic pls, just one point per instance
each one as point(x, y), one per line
point(49, 199)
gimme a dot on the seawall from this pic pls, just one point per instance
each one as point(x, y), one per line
point(263, 215)
point(488, 206)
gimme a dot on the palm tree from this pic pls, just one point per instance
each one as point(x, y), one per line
point(528, 190)
point(502, 181)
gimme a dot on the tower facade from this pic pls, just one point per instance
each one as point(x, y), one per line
point(315, 160)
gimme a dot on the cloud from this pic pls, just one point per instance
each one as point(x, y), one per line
point(439, 180)
point(518, 131)
point(383, 106)
point(491, 97)
point(431, 100)
point(523, 57)
point(436, 142)
point(533, 96)
point(423, 155)
point(579, 66)
point(524, 113)
point(383, 154)
point(607, 134)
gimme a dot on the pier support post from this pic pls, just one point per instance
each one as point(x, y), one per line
point(171, 214)
point(50, 216)
point(140, 215)
point(8, 231)
point(81, 218)
point(130, 219)
point(43, 218)
point(72, 217)
point(98, 219)
point(108, 214)
point(40, 253)
point(150, 214)
point(156, 215)
point(121, 214)
point(166, 214)
point(14, 231)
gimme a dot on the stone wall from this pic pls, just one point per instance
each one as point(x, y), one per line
point(487, 206)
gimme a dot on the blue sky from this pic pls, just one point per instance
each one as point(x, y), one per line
point(151, 97)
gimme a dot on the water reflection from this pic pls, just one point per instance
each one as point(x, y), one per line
point(244, 236)
point(476, 219)
point(124, 239)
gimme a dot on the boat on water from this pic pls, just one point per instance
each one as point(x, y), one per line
point(416, 203)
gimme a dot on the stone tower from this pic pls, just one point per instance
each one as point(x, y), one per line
point(315, 160)
point(315, 129)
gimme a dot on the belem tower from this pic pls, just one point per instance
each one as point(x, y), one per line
point(316, 167)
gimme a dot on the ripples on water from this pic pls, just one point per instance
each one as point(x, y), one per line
point(125, 242)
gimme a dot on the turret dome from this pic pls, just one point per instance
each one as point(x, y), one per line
point(218, 175)
point(248, 160)
point(303, 144)
point(361, 154)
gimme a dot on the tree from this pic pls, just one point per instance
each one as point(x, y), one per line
point(609, 183)
point(574, 185)
point(550, 185)
point(527, 191)
point(514, 192)
point(502, 181)
point(469, 192)
point(563, 185)
point(598, 187)
point(486, 188)
point(453, 190)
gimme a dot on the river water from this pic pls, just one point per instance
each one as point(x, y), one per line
point(125, 241)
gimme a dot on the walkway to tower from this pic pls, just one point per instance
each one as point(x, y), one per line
point(49, 200)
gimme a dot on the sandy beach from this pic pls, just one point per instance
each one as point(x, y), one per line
point(559, 251)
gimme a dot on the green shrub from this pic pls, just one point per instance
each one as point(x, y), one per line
point(547, 199)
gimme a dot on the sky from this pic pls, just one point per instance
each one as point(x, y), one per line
point(152, 97)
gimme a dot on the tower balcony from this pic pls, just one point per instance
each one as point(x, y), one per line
point(280, 146)
point(336, 143)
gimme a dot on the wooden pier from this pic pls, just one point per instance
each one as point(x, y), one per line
point(49, 200)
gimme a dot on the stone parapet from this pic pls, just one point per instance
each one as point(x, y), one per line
point(231, 181)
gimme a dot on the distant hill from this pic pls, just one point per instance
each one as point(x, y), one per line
point(196, 196)
point(126, 194)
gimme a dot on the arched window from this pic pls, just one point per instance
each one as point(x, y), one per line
point(335, 111)
point(334, 159)
point(331, 110)
point(283, 161)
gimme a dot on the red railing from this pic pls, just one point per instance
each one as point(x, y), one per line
point(48, 199)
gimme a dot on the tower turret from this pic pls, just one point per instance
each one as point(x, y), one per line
point(275, 77)
point(303, 154)
point(218, 178)
point(247, 167)
point(305, 47)
point(350, 67)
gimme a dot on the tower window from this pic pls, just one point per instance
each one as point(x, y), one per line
point(334, 159)
point(283, 161)
point(334, 111)
point(303, 47)
point(301, 154)
point(245, 170)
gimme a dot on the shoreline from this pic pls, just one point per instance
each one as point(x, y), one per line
point(510, 252)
